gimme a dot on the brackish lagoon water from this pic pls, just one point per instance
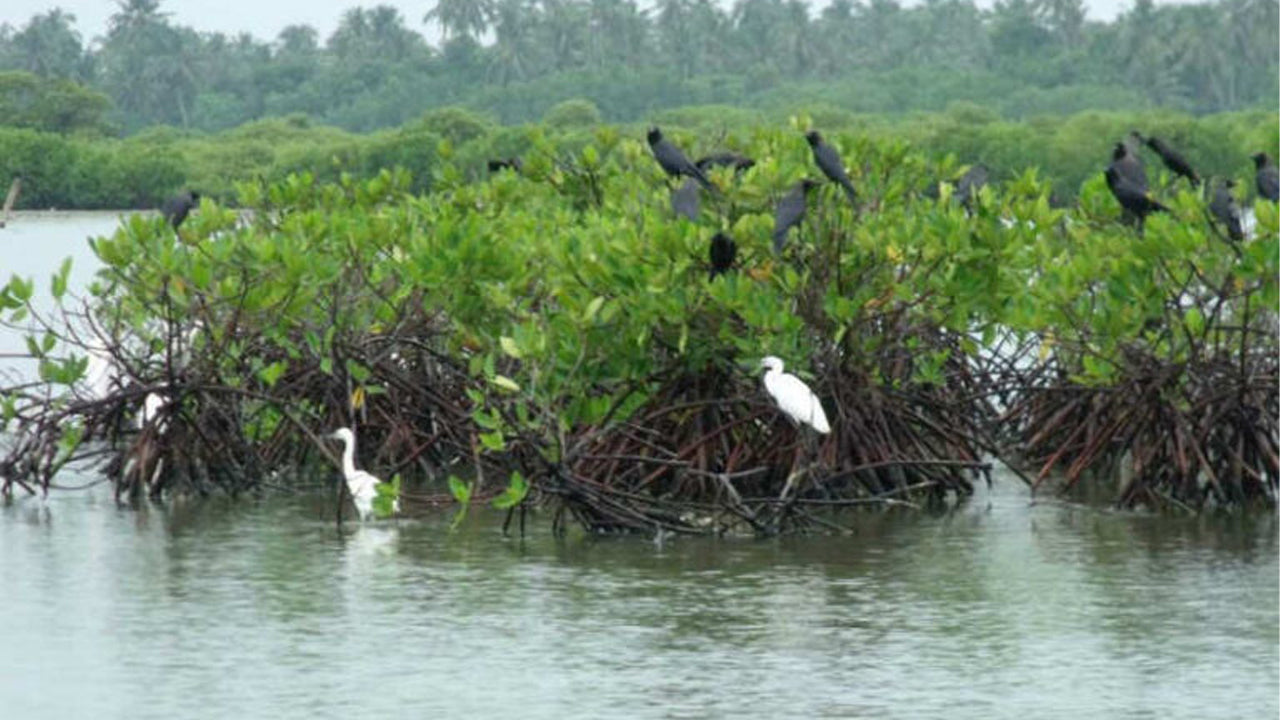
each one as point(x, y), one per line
point(1003, 608)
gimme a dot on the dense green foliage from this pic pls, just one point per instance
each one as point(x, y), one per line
point(1020, 58)
point(78, 171)
point(535, 309)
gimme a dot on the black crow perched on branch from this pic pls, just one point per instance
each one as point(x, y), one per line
point(829, 162)
point(1132, 198)
point(790, 211)
point(1268, 177)
point(1177, 164)
point(970, 183)
point(176, 208)
point(673, 161)
point(511, 163)
point(1129, 166)
point(1226, 210)
point(723, 252)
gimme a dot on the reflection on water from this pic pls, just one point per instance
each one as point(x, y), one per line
point(1000, 609)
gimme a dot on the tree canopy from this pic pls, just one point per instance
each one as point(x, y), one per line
point(516, 59)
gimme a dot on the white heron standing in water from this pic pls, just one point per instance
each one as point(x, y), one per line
point(793, 397)
point(363, 485)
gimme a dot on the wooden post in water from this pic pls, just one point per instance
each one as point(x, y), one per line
point(14, 188)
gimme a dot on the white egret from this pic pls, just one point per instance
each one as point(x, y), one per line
point(793, 397)
point(100, 373)
point(152, 404)
point(155, 402)
point(363, 485)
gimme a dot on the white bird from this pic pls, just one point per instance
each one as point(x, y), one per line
point(151, 407)
point(100, 373)
point(363, 485)
point(793, 397)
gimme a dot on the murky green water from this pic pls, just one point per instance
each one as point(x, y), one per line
point(1001, 609)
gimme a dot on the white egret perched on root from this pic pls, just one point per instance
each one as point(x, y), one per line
point(793, 397)
point(151, 407)
point(363, 485)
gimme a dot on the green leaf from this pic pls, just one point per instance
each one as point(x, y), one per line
point(271, 373)
point(358, 372)
point(60, 279)
point(493, 441)
point(505, 383)
point(1195, 321)
point(384, 502)
point(510, 347)
point(460, 490)
point(20, 288)
point(593, 307)
point(515, 493)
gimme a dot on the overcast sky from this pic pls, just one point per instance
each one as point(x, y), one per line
point(265, 18)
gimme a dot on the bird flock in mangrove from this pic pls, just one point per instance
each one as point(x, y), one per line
point(1126, 178)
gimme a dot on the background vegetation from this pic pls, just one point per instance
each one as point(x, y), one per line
point(84, 171)
point(515, 59)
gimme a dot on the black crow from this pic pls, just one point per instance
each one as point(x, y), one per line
point(1224, 208)
point(970, 183)
point(739, 163)
point(1268, 178)
point(723, 252)
point(1172, 160)
point(511, 163)
point(1129, 166)
point(1130, 197)
point(672, 160)
point(830, 164)
point(790, 211)
point(176, 208)
point(684, 199)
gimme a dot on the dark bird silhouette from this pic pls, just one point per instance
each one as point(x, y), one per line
point(723, 252)
point(790, 211)
point(685, 200)
point(511, 163)
point(1268, 177)
point(739, 163)
point(1177, 164)
point(1226, 210)
point(970, 183)
point(829, 162)
point(1131, 198)
point(672, 160)
point(1129, 166)
point(176, 208)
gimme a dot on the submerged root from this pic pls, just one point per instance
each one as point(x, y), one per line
point(1186, 435)
point(710, 454)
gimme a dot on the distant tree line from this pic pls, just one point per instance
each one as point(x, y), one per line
point(515, 59)
point(87, 171)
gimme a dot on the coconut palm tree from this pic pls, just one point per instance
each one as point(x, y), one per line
point(461, 18)
point(49, 46)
